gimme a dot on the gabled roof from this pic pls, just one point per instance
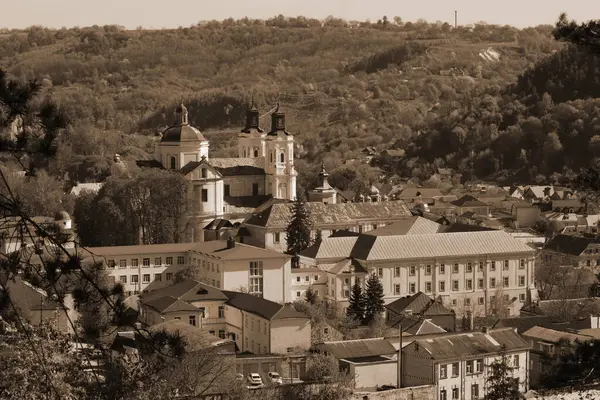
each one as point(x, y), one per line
point(358, 348)
point(468, 201)
point(554, 336)
point(195, 339)
point(424, 192)
point(457, 227)
point(346, 265)
point(331, 247)
point(218, 223)
point(454, 346)
point(418, 303)
point(522, 324)
point(569, 244)
point(170, 304)
point(188, 291)
point(415, 325)
point(278, 215)
point(28, 298)
point(410, 226)
point(262, 307)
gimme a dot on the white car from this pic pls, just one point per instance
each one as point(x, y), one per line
point(254, 379)
point(275, 378)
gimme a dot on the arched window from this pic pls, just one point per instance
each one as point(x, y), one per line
point(271, 156)
point(173, 162)
point(244, 153)
point(255, 152)
point(204, 172)
point(282, 157)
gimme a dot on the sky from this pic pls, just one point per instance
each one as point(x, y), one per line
point(158, 14)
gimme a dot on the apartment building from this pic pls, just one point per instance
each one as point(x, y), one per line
point(476, 272)
point(224, 264)
point(256, 325)
point(458, 363)
point(573, 250)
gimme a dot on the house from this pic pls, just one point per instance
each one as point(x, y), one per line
point(225, 264)
point(475, 272)
point(17, 233)
point(79, 188)
point(372, 362)
point(412, 195)
point(256, 325)
point(414, 225)
point(515, 192)
point(573, 250)
point(546, 345)
point(538, 193)
point(458, 364)
point(305, 278)
point(219, 229)
point(468, 203)
point(419, 304)
point(267, 228)
point(411, 325)
point(571, 310)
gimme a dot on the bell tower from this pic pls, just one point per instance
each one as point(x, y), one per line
point(324, 192)
point(251, 143)
point(279, 160)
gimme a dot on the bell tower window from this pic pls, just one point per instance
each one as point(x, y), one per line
point(203, 172)
point(255, 152)
point(244, 152)
point(282, 158)
point(173, 162)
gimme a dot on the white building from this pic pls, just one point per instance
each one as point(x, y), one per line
point(477, 272)
point(458, 364)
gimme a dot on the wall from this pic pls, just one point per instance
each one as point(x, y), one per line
point(240, 186)
point(413, 393)
point(370, 375)
point(292, 332)
point(256, 334)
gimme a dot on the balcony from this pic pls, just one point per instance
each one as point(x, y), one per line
point(210, 321)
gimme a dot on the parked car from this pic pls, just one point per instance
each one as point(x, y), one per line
point(254, 379)
point(239, 377)
point(254, 386)
point(275, 378)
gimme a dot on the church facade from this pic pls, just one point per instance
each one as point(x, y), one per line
point(230, 188)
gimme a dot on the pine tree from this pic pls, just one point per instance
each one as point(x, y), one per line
point(373, 299)
point(356, 306)
point(311, 296)
point(501, 384)
point(298, 229)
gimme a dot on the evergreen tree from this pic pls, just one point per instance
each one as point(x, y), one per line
point(298, 229)
point(373, 299)
point(311, 296)
point(501, 384)
point(356, 306)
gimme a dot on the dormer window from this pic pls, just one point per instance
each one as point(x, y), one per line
point(203, 172)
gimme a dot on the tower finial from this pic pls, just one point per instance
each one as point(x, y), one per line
point(277, 106)
point(252, 102)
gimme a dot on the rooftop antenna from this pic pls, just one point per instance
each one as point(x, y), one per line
point(455, 19)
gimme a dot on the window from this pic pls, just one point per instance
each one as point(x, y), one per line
point(222, 333)
point(169, 276)
point(428, 287)
point(180, 260)
point(412, 270)
point(307, 279)
point(134, 279)
point(469, 284)
point(226, 190)
point(122, 263)
point(492, 299)
point(255, 189)
point(442, 269)
point(522, 297)
point(480, 267)
point(480, 283)
point(396, 289)
point(493, 266)
point(428, 270)
point(134, 263)
point(516, 361)
point(205, 195)
point(146, 262)
point(469, 267)
point(123, 278)
point(203, 172)
point(454, 393)
point(146, 278)
point(396, 271)
point(480, 301)
point(282, 158)
point(492, 282)
point(173, 163)
point(443, 394)
point(522, 263)
point(455, 268)
point(479, 366)
point(158, 261)
point(169, 261)
point(442, 286)
point(474, 391)
point(522, 280)
point(467, 301)
point(297, 279)
point(193, 320)
point(455, 370)
point(110, 263)
point(256, 278)
point(412, 288)
point(454, 302)
point(380, 272)
point(276, 238)
point(346, 293)
point(505, 267)
point(505, 281)
point(218, 284)
point(469, 366)
point(455, 286)
point(157, 277)
point(443, 371)
point(316, 278)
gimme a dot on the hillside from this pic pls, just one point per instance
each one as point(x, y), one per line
point(344, 85)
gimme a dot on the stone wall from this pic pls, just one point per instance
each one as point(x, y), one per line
point(412, 393)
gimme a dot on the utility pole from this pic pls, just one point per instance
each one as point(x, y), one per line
point(399, 385)
point(455, 19)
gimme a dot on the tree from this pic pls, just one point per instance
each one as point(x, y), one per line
point(299, 227)
point(357, 302)
point(373, 299)
point(500, 382)
point(584, 35)
point(311, 296)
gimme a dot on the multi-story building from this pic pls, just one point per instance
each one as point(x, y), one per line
point(458, 364)
point(478, 272)
point(225, 264)
point(573, 251)
point(256, 325)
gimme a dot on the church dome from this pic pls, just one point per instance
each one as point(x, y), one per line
point(182, 133)
point(62, 216)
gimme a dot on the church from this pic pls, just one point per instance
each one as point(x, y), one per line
point(230, 188)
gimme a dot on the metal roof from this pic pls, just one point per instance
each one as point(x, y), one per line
point(358, 348)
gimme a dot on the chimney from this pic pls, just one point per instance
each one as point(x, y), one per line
point(230, 242)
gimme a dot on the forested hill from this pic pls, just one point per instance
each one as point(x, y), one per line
point(344, 86)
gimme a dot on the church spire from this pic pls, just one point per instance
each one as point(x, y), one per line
point(323, 182)
point(278, 122)
point(181, 114)
point(252, 119)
